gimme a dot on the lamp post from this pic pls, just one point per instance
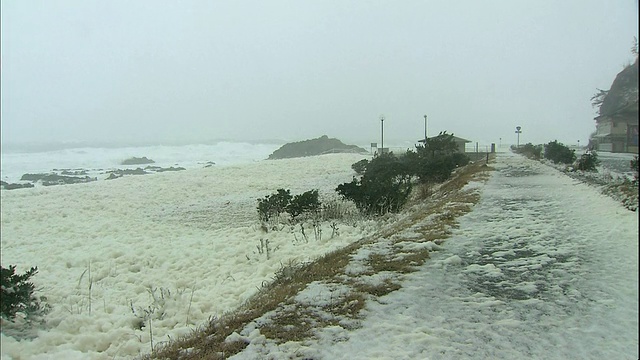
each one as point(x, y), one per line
point(425, 130)
point(518, 131)
point(382, 133)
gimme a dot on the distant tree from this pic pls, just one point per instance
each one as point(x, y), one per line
point(634, 48)
point(443, 144)
point(559, 153)
point(529, 150)
point(588, 161)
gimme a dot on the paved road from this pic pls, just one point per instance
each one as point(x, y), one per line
point(544, 267)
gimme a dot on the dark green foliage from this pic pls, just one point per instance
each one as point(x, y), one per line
point(273, 205)
point(559, 153)
point(529, 150)
point(588, 161)
point(360, 167)
point(436, 161)
point(17, 294)
point(385, 183)
point(443, 144)
point(384, 186)
point(304, 203)
point(634, 168)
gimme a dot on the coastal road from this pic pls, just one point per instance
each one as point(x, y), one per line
point(544, 267)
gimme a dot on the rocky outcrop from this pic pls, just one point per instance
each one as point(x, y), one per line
point(7, 186)
point(55, 179)
point(118, 173)
point(319, 146)
point(137, 161)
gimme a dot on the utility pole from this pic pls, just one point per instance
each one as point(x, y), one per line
point(518, 131)
point(382, 133)
point(425, 130)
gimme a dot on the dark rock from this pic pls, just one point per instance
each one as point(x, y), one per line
point(137, 171)
point(137, 161)
point(319, 146)
point(170, 169)
point(113, 176)
point(55, 179)
point(8, 186)
point(74, 172)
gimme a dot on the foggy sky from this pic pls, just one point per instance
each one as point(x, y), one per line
point(157, 71)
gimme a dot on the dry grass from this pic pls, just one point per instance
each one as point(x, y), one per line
point(432, 213)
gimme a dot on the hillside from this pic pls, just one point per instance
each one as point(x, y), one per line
point(623, 92)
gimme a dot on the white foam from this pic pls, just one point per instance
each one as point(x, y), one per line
point(180, 244)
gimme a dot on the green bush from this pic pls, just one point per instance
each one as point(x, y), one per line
point(273, 205)
point(385, 182)
point(304, 203)
point(360, 167)
point(588, 161)
point(17, 294)
point(559, 153)
point(384, 186)
point(435, 162)
point(529, 150)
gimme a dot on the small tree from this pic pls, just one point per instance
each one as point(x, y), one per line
point(436, 161)
point(303, 203)
point(588, 161)
point(559, 153)
point(384, 186)
point(273, 205)
point(443, 144)
point(360, 167)
point(17, 294)
point(529, 150)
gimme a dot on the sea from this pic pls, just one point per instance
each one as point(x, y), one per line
point(96, 161)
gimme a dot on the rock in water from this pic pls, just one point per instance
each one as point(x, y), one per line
point(137, 161)
point(319, 146)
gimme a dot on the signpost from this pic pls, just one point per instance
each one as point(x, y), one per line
point(382, 133)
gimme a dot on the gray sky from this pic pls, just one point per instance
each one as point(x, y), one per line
point(248, 70)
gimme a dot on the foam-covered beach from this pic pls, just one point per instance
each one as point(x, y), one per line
point(180, 246)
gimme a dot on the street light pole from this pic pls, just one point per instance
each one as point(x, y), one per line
point(518, 131)
point(382, 133)
point(425, 130)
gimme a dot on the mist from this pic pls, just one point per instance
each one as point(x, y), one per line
point(161, 72)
